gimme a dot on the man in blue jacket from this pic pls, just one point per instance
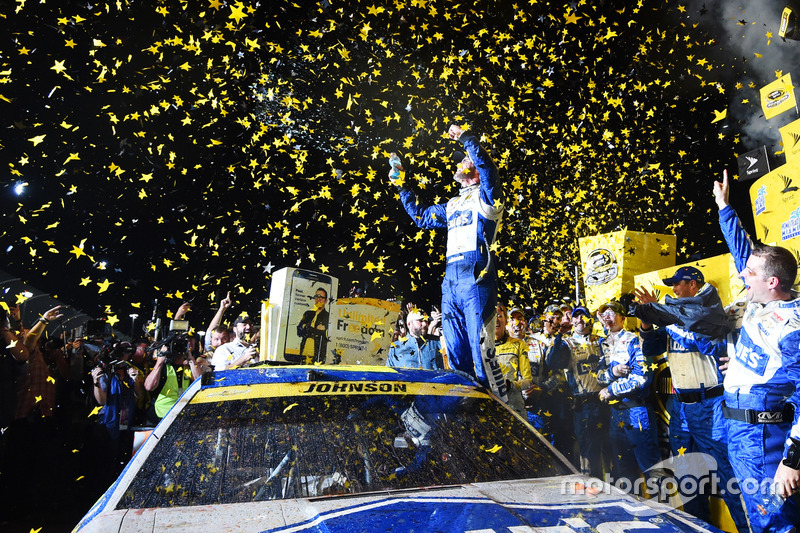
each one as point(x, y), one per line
point(416, 350)
point(469, 290)
point(696, 424)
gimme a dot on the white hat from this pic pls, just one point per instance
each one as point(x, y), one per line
point(414, 315)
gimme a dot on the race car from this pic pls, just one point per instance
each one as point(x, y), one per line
point(346, 449)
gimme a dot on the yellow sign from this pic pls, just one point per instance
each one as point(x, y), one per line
point(776, 204)
point(610, 262)
point(778, 96)
point(315, 388)
point(790, 135)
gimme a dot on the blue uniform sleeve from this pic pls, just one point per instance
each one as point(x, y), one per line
point(790, 360)
point(714, 347)
point(639, 377)
point(654, 341)
point(391, 359)
point(426, 217)
point(736, 237)
point(491, 190)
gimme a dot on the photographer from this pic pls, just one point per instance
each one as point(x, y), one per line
point(168, 378)
point(116, 387)
point(35, 444)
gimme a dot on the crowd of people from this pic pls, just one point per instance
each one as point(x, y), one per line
point(583, 377)
point(69, 406)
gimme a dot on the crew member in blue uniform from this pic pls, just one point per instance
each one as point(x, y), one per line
point(762, 383)
point(691, 330)
point(622, 368)
point(469, 291)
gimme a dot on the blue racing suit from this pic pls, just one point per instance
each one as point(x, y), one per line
point(469, 290)
point(762, 378)
point(632, 430)
point(696, 424)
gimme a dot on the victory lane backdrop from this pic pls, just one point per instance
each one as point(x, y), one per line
point(179, 149)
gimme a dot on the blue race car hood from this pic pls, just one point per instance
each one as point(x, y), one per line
point(485, 507)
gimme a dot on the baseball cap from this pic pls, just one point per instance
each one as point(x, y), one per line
point(581, 310)
point(614, 306)
point(517, 310)
point(414, 315)
point(242, 318)
point(685, 274)
point(553, 310)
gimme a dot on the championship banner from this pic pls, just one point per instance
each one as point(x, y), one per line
point(776, 204)
point(778, 96)
point(790, 134)
point(610, 262)
point(361, 330)
point(753, 164)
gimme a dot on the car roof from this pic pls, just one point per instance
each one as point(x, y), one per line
point(308, 373)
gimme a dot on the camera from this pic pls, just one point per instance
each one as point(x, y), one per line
point(176, 341)
point(114, 355)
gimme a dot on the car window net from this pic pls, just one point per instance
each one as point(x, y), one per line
point(298, 447)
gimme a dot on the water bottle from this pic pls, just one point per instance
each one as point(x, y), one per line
point(771, 502)
point(394, 162)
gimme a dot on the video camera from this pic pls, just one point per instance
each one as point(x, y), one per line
point(114, 355)
point(176, 341)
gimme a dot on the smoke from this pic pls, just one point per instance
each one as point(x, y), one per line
point(746, 54)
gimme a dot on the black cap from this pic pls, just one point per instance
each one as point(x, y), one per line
point(242, 318)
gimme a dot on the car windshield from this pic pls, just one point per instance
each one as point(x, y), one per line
point(276, 446)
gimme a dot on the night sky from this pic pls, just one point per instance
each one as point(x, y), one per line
point(175, 150)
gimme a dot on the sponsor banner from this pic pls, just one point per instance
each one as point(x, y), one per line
point(327, 388)
point(776, 198)
point(778, 96)
point(610, 262)
point(294, 322)
point(753, 164)
point(790, 135)
point(361, 330)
